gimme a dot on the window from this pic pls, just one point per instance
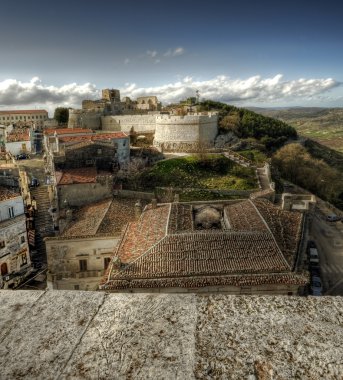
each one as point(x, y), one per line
point(83, 265)
point(11, 212)
point(2, 244)
point(99, 152)
point(23, 259)
point(76, 287)
point(107, 261)
point(22, 239)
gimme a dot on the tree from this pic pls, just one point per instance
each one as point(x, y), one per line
point(61, 114)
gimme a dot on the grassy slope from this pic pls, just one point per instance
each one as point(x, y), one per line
point(210, 172)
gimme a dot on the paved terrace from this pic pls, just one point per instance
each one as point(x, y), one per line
point(94, 335)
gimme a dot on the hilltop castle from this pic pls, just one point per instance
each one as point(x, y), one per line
point(111, 113)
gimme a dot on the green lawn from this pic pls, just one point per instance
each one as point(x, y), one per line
point(213, 171)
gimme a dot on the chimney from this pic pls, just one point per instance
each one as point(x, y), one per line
point(154, 203)
point(138, 209)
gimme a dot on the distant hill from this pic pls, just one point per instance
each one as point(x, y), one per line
point(324, 125)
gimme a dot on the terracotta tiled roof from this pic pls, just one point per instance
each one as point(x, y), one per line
point(244, 216)
point(66, 131)
point(120, 212)
point(18, 136)
point(213, 253)
point(145, 233)
point(290, 278)
point(285, 226)
point(97, 137)
point(7, 194)
point(180, 219)
point(104, 217)
point(87, 219)
point(79, 175)
point(21, 112)
point(162, 249)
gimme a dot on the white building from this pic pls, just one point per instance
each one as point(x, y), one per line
point(15, 263)
point(34, 118)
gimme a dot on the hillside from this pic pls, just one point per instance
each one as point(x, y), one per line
point(324, 125)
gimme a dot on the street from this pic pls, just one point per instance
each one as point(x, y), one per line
point(329, 239)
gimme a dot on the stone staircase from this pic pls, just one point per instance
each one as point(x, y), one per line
point(43, 223)
point(239, 159)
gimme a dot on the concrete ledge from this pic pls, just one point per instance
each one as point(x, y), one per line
point(88, 335)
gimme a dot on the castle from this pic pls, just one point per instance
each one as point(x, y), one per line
point(172, 133)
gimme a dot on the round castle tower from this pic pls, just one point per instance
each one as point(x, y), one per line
point(185, 133)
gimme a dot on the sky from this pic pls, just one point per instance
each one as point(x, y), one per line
point(246, 53)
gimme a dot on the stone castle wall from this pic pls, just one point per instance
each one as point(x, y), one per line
point(84, 119)
point(125, 123)
point(186, 133)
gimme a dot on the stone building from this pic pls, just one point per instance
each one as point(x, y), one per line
point(15, 263)
point(247, 247)
point(81, 165)
point(148, 103)
point(34, 118)
point(79, 256)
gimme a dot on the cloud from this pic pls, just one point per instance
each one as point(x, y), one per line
point(275, 90)
point(222, 88)
point(14, 93)
point(174, 52)
point(126, 61)
point(151, 53)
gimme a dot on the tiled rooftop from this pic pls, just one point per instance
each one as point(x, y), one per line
point(214, 253)
point(79, 175)
point(66, 131)
point(105, 217)
point(260, 245)
point(289, 278)
point(120, 212)
point(144, 234)
point(21, 112)
point(285, 226)
point(87, 219)
point(243, 216)
point(7, 194)
point(94, 137)
point(180, 219)
point(18, 134)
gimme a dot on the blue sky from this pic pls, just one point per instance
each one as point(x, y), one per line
point(264, 53)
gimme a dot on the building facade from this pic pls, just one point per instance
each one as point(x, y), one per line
point(80, 255)
point(15, 263)
point(34, 118)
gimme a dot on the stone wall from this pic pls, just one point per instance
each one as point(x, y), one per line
point(84, 119)
point(95, 335)
point(125, 123)
point(83, 193)
point(185, 133)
